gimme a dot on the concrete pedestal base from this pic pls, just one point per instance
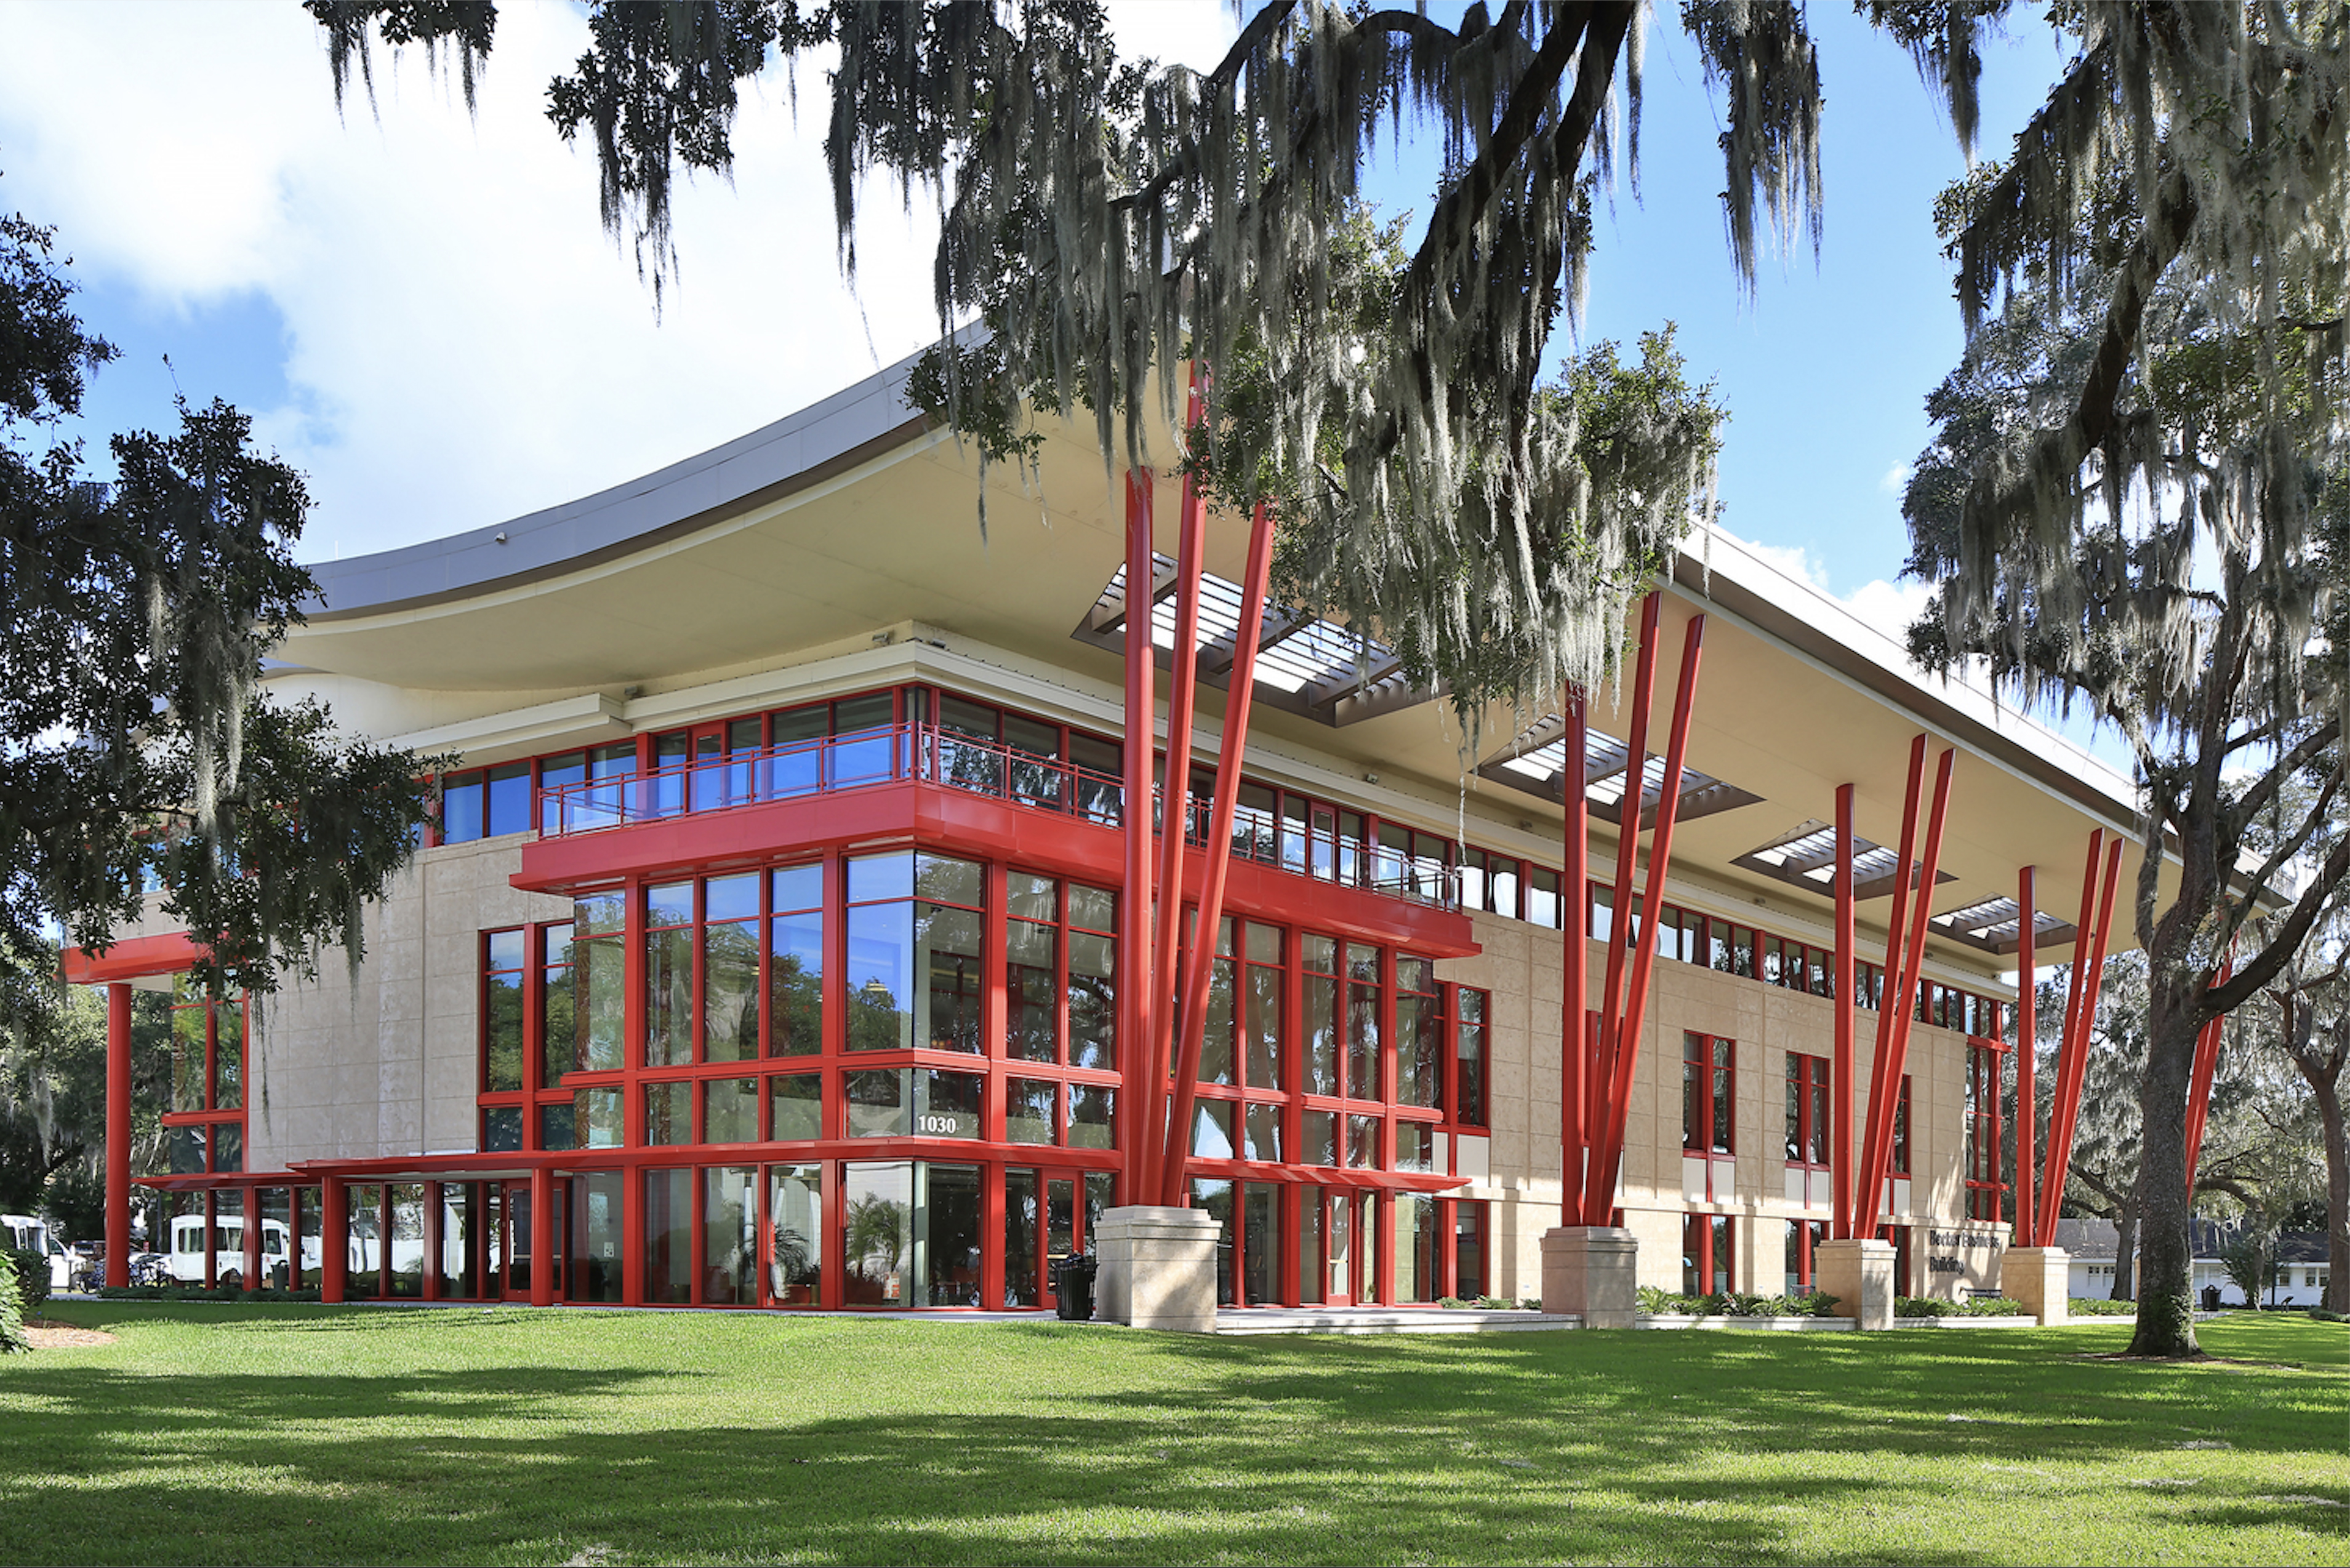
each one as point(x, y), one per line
point(1859, 1274)
point(1591, 1271)
point(2041, 1278)
point(1157, 1268)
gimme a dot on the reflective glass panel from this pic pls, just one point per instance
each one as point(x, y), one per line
point(669, 1113)
point(796, 1106)
point(730, 1110)
point(669, 1236)
point(795, 1223)
point(877, 1103)
point(948, 1232)
point(730, 1236)
point(1028, 1108)
point(1093, 1116)
point(596, 1116)
point(878, 1235)
point(948, 1105)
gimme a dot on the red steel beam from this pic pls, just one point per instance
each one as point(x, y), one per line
point(2066, 1114)
point(1597, 1113)
point(2027, 1054)
point(1134, 948)
point(1202, 968)
point(1175, 809)
point(1840, 1078)
point(2199, 1092)
point(1574, 1038)
point(2043, 1216)
point(1599, 1197)
point(1881, 1097)
point(118, 1133)
point(1922, 907)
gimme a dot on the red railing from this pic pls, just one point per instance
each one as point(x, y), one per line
point(930, 753)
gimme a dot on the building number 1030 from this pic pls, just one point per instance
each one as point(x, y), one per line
point(946, 1126)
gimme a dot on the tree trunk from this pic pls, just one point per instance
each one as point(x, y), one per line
point(2126, 1241)
point(2337, 1196)
point(2166, 1314)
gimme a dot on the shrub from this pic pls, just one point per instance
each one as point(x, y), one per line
point(12, 1312)
point(32, 1280)
point(198, 1293)
point(1454, 1302)
point(2100, 1306)
point(1988, 1306)
point(2324, 1315)
point(1530, 1304)
point(1921, 1307)
point(1654, 1300)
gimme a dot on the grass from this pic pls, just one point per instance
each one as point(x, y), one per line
point(308, 1434)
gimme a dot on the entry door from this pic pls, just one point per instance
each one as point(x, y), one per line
point(516, 1233)
point(1338, 1229)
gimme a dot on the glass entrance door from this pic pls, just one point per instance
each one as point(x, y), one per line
point(1339, 1227)
point(515, 1232)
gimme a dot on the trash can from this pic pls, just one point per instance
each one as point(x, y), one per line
point(1073, 1283)
point(2211, 1298)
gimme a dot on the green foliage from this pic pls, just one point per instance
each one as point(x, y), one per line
point(2100, 1306)
point(32, 1271)
point(198, 1293)
point(2249, 1260)
point(1973, 1306)
point(1922, 1306)
point(140, 743)
point(12, 1307)
point(1735, 1303)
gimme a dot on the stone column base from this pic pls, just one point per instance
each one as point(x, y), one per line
point(1592, 1272)
point(1157, 1268)
point(1859, 1274)
point(2041, 1278)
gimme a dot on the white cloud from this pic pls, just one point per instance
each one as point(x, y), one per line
point(1895, 480)
point(1890, 607)
point(462, 342)
point(1795, 560)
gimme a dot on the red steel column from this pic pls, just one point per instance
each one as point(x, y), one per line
point(1882, 1094)
point(1575, 1039)
point(334, 1238)
point(1238, 693)
point(1175, 811)
point(1135, 982)
point(2045, 1219)
point(2027, 1054)
point(1840, 1149)
point(542, 1236)
point(2085, 1019)
point(251, 1198)
point(1599, 1197)
point(1599, 1111)
point(118, 1133)
point(1920, 911)
point(2199, 1092)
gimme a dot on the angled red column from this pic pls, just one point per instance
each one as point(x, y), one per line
point(1890, 1074)
point(1878, 1093)
point(1840, 1076)
point(2198, 1089)
point(1575, 1039)
point(1597, 1110)
point(118, 1133)
point(1134, 940)
point(1599, 1197)
point(1192, 1022)
point(2080, 1022)
point(2027, 1024)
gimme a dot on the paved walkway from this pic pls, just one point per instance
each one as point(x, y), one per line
point(1387, 1320)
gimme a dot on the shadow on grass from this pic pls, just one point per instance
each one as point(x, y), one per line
point(1126, 1448)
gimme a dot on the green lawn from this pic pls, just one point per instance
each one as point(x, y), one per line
point(464, 1435)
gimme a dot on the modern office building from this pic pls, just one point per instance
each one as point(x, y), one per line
point(768, 950)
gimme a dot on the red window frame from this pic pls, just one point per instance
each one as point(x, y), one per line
point(1709, 1254)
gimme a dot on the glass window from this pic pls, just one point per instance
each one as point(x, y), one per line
point(1542, 897)
point(1093, 970)
point(228, 1054)
point(914, 974)
point(796, 1219)
point(668, 975)
point(596, 1117)
point(1419, 1035)
point(795, 962)
point(558, 1126)
point(1261, 1030)
point(502, 967)
point(1022, 1216)
point(1321, 1135)
point(1363, 1142)
point(600, 967)
point(795, 1102)
point(1093, 1116)
point(669, 1236)
point(730, 1110)
point(406, 1249)
point(558, 1023)
point(507, 806)
point(1363, 1000)
point(1705, 1093)
point(1469, 1053)
point(1211, 1129)
point(1216, 1037)
point(730, 969)
point(730, 1235)
point(501, 1130)
point(1323, 1013)
point(554, 775)
point(1261, 1130)
point(190, 1043)
point(948, 1207)
point(1028, 1110)
point(228, 1146)
point(461, 808)
point(949, 1104)
point(1415, 1146)
point(877, 1103)
point(1031, 962)
point(669, 1113)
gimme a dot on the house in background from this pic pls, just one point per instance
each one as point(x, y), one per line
point(2300, 1270)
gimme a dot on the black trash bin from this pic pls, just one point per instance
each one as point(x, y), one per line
point(1073, 1283)
point(2211, 1298)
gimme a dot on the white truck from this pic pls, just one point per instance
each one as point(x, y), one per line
point(25, 1233)
point(185, 1260)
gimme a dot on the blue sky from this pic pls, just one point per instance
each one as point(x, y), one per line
point(421, 312)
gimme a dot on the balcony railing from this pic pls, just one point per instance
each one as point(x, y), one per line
point(932, 754)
